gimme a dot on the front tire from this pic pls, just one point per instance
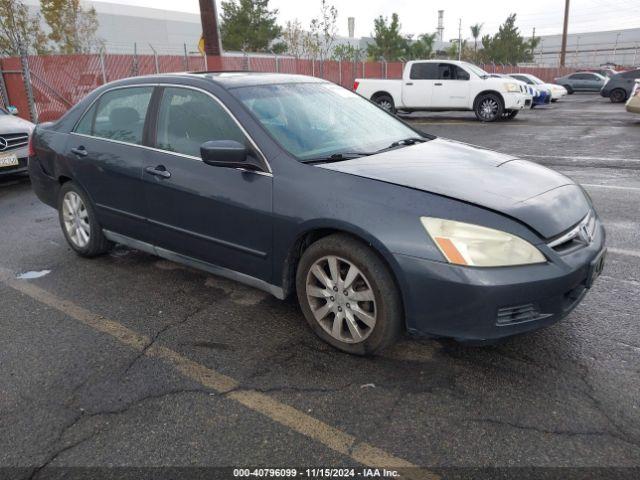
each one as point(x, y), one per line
point(569, 89)
point(617, 95)
point(385, 102)
point(78, 221)
point(348, 295)
point(489, 108)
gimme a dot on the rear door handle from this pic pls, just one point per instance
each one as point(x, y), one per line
point(159, 171)
point(438, 84)
point(80, 151)
point(409, 83)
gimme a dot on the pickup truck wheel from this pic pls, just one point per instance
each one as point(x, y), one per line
point(489, 108)
point(385, 102)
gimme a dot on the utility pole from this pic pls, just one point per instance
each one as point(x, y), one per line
point(533, 43)
point(210, 33)
point(460, 40)
point(563, 52)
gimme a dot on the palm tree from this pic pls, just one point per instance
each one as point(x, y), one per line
point(475, 33)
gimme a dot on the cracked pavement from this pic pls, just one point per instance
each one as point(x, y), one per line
point(566, 396)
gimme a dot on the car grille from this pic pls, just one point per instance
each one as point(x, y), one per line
point(11, 141)
point(519, 314)
point(579, 236)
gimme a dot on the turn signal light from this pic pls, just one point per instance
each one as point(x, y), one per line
point(355, 85)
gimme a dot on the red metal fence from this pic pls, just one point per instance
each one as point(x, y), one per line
point(59, 81)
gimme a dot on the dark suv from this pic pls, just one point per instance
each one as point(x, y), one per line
point(619, 87)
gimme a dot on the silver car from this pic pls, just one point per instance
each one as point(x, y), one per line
point(582, 82)
point(14, 141)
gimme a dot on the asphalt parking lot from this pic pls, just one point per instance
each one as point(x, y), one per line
point(130, 360)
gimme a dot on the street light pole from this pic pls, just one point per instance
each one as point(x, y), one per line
point(563, 52)
point(460, 40)
point(615, 47)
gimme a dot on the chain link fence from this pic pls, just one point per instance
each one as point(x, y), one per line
point(44, 87)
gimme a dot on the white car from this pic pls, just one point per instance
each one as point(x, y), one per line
point(14, 141)
point(556, 91)
point(441, 85)
point(633, 104)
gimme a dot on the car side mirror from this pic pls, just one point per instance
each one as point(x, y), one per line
point(12, 110)
point(227, 153)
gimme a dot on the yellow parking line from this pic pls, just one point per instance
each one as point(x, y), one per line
point(290, 417)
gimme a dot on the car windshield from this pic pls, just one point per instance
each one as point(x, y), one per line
point(535, 80)
point(317, 120)
point(475, 69)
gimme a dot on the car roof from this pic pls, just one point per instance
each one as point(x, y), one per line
point(228, 79)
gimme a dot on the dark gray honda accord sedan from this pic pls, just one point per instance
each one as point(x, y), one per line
point(294, 185)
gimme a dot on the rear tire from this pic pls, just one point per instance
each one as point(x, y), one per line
point(385, 102)
point(489, 108)
point(351, 301)
point(79, 224)
point(617, 95)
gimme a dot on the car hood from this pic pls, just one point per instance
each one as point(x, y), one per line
point(546, 201)
point(12, 124)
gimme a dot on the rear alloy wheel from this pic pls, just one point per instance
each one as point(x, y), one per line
point(618, 96)
point(348, 295)
point(385, 102)
point(78, 222)
point(489, 108)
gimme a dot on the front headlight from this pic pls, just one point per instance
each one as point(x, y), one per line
point(512, 87)
point(473, 245)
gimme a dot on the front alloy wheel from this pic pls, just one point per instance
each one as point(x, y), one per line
point(348, 295)
point(489, 108)
point(341, 299)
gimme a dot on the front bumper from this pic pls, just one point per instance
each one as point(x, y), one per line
point(478, 304)
point(515, 101)
point(20, 168)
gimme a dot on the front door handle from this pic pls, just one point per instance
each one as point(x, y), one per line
point(438, 84)
point(80, 151)
point(159, 171)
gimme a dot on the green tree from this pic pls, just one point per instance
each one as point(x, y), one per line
point(422, 48)
point(508, 46)
point(348, 53)
point(388, 43)
point(322, 31)
point(19, 29)
point(248, 25)
point(73, 28)
point(475, 33)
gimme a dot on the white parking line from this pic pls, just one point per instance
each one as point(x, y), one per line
point(613, 187)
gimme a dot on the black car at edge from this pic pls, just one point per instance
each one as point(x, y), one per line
point(297, 186)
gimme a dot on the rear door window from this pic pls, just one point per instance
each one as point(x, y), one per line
point(424, 71)
point(118, 115)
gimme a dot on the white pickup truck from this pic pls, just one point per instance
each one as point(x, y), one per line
point(439, 85)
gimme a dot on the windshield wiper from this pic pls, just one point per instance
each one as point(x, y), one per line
point(338, 157)
point(407, 141)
